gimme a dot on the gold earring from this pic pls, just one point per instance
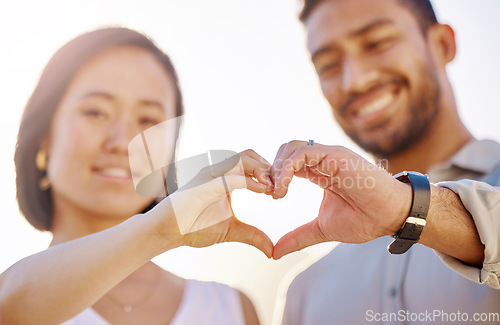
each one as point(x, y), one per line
point(41, 160)
point(41, 164)
point(44, 183)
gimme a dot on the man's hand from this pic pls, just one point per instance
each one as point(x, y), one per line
point(361, 201)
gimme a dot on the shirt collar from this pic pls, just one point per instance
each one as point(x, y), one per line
point(481, 156)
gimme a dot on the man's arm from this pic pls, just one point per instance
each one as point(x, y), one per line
point(482, 201)
point(373, 204)
point(450, 228)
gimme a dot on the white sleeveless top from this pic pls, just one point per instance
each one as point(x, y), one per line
point(207, 303)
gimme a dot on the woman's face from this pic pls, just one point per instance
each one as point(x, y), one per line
point(115, 95)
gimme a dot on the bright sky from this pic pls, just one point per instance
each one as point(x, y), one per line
point(247, 83)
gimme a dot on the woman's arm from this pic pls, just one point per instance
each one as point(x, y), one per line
point(57, 284)
point(60, 282)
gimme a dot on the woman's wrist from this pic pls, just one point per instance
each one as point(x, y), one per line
point(160, 228)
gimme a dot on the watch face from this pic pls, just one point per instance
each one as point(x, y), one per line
point(405, 176)
point(414, 173)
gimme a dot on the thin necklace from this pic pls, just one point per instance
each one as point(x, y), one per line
point(128, 307)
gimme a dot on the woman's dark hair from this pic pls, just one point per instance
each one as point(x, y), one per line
point(35, 204)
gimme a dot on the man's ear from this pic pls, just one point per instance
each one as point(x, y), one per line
point(442, 40)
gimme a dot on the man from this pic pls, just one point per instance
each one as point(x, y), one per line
point(382, 67)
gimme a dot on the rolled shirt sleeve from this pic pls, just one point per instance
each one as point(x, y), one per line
point(483, 203)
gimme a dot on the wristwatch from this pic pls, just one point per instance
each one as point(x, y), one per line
point(409, 234)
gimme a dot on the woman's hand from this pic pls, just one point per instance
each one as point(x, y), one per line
point(202, 208)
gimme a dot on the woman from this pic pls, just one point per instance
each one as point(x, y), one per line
point(73, 179)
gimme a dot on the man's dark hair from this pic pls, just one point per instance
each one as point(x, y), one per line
point(421, 9)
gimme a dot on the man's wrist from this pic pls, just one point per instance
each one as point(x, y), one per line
point(404, 194)
point(410, 232)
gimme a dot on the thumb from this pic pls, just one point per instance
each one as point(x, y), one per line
point(244, 233)
point(300, 238)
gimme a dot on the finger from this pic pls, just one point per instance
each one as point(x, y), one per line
point(285, 178)
point(230, 165)
point(256, 166)
point(244, 233)
point(276, 167)
point(252, 154)
point(322, 181)
point(300, 238)
point(234, 182)
point(256, 187)
point(277, 164)
point(284, 152)
point(305, 157)
point(245, 163)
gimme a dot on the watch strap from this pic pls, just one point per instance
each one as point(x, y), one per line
point(409, 234)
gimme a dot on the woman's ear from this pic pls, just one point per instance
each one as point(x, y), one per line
point(442, 39)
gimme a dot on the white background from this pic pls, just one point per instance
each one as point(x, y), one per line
point(247, 83)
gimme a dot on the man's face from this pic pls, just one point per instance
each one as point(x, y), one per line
point(376, 70)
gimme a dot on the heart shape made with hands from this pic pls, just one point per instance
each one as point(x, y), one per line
point(213, 185)
point(202, 206)
point(204, 201)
